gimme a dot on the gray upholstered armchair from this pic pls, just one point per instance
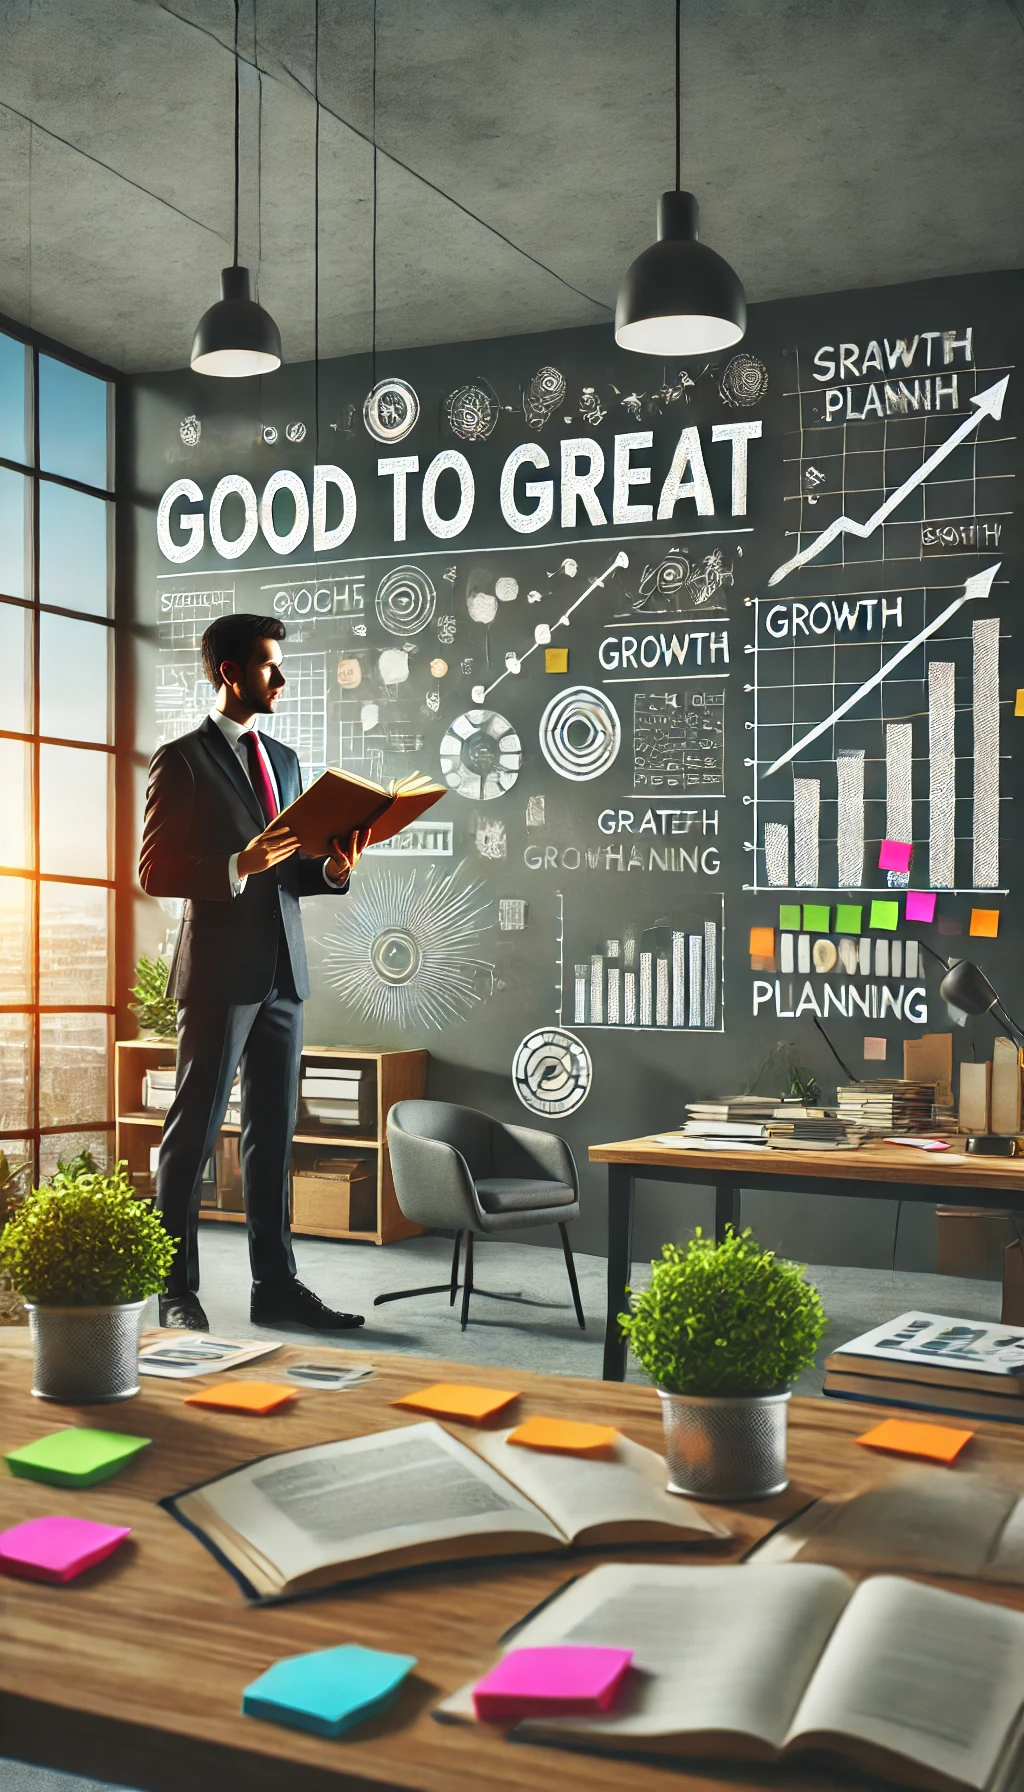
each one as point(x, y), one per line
point(455, 1168)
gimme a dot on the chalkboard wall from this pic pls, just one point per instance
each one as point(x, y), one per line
point(588, 592)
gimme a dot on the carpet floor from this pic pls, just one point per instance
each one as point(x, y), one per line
point(520, 1318)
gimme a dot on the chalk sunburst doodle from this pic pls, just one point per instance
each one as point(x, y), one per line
point(407, 950)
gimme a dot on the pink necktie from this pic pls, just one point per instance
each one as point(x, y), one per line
point(259, 777)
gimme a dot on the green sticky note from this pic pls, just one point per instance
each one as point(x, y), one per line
point(74, 1458)
point(848, 916)
point(789, 917)
point(885, 914)
point(816, 916)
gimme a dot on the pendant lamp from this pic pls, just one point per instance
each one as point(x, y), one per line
point(236, 338)
point(679, 298)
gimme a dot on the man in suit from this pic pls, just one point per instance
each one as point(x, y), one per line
point(239, 969)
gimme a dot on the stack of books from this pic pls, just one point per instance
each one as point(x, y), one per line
point(744, 1122)
point(794, 1127)
point(158, 1088)
point(331, 1094)
point(888, 1105)
point(925, 1360)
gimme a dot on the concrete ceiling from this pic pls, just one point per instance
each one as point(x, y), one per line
point(522, 146)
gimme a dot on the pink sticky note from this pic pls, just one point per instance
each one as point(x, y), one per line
point(921, 905)
point(894, 856)
point(569, 1680)
point(58, 1549)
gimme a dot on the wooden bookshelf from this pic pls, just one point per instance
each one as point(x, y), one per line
point(394, 1076)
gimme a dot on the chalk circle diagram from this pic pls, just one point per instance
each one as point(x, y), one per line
point(745, 381)
point(190, 429)
point(408, 951)
point(391, 410)
point(552, 1071)
point(544, 394)
point(269, 434)
point(296, 432)
point(580, 733)
point(472, 411)
point(481, 755)
point(405, 600)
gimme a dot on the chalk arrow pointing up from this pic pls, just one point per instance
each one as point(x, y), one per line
point(988, 404)
point(978, 585)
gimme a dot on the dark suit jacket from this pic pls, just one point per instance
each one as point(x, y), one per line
point(201, 808)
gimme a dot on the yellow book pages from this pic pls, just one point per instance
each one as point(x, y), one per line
point(566, 1437)
point(450, 1400)
point(244, 1396)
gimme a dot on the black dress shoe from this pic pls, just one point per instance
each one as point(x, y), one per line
point(182, 1312)
point(289, 1303)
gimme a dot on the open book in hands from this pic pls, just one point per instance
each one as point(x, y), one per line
point(761, 1664)
point(341, 1511)
point(339, 803)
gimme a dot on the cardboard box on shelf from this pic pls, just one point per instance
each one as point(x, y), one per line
point(336, 1195)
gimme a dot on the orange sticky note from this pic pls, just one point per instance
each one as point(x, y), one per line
point(985, 923)
point(449, 1400)
point(762, 942)
point(244, 1396)
point(940, 1443)
point(1018, 708)
point(556, 659)
point(569, 1437)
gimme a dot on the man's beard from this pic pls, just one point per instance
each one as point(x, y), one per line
point(259, 701)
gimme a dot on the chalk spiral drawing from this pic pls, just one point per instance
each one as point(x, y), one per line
point(472, 411)
point(409, 950)
point(544, 394)
point(580, 733)
point(405, 600)
point(671, 585)
point(391, 410)
point(552, 1071)
point(296, 432)
point(481, 755)
point(269, 433)
point(745, 381)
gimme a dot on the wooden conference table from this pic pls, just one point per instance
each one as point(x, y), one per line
point(877, 1172)
point(135, 1672)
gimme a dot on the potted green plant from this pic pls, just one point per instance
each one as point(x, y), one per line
point(13, 1179)
point(86, 1255)
point(723, 1331)
point(155, 1011)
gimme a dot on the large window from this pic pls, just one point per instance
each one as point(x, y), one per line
point(56, 756)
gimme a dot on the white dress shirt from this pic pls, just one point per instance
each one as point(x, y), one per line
point(233, 732)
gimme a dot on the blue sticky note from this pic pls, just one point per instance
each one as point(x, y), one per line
point(328, 1691)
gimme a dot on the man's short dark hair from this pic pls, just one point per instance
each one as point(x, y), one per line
point(235, 638)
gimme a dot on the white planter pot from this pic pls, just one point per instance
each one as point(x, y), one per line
point(725, 1447)
point(83, 1355)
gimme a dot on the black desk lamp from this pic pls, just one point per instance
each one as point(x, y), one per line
point(966, 987)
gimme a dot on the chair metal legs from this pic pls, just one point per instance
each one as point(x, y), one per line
point(571, 1267)
point(448, 1288)
point(455, 1270)
point(467, 1285)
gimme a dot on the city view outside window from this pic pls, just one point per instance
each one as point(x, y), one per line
point(56, 757)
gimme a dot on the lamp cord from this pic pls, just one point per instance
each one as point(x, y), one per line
point(678, 84)
point(235, 261)
point(373, 252)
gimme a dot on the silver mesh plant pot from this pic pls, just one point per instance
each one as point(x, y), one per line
point(725, 1447)
point(86, 1354)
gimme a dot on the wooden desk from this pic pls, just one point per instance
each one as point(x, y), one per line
point(886, 1172)
point(135, 1673)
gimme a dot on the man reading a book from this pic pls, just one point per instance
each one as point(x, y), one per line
point(239, 970)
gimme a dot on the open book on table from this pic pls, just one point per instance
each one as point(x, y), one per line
point(338, 803)
point(920, 1520)
point(341, 1511)
point(762, 1664)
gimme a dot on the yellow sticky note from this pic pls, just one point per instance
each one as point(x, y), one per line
point(985, 923)
point(762, 942)
point(1018, 708)
point(904, 1437)
point(556, 659)
point(243, 1396)
point(568, 1437)
point(449, 1400)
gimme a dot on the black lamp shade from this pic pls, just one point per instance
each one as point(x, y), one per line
point(236, 338)
point(679, 297)
point(967, 988)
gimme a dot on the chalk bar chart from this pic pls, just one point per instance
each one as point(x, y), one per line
point(666, 977)
point(907, 689)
